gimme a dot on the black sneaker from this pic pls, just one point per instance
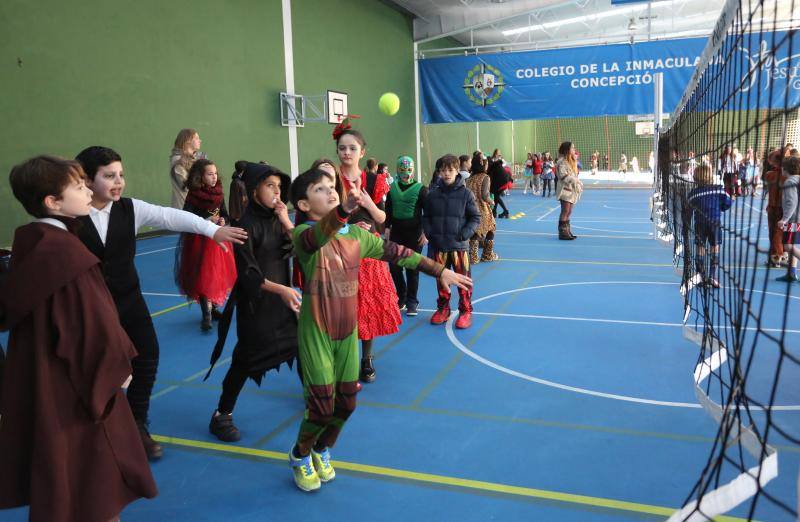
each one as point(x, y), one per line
point(216, 315)
point(223, 428)
point(367, 374)
point(411, 310)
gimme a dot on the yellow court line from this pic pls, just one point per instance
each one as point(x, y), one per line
point(443, 480)
point(170, 309)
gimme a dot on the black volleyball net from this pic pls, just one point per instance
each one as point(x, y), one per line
point(717, 201)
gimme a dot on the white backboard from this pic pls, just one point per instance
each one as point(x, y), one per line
point(337, 106)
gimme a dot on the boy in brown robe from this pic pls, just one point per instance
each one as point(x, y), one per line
point(70, 448)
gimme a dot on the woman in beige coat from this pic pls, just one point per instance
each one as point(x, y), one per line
point(569, 187)
point(183, 155)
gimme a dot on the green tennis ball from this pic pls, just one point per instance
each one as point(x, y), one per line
point(389, 104)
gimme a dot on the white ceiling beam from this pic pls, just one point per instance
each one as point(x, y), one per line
point(451, 26)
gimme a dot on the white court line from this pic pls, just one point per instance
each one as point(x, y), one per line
point(610, 321)
point(155, 251)
point(626, 208)
point(637, 221)
point(613, 219)
point(201, 373)
point(548, 213)
point(625, 398)
point(598, 236)
point(610, 230)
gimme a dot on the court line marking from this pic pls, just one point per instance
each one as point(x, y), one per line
point(442, 480)
point(613, 263)
point(625, 398)
point(170, 309)
point(610, 321)
point(479, 416)
point(548, 213)
point(614, 231)
point(221, 363)
point(590, 236)
point(155, 251)
point(455, 360)
point(572, 262)
point(626, 208)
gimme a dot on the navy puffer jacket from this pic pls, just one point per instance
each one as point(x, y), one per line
point(450, 216)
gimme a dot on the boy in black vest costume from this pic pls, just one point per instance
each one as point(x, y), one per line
point(404, 219)
point(266, 304)
point(109, 232)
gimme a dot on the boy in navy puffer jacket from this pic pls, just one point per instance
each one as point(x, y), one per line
point(450, 217)
point(708, 201)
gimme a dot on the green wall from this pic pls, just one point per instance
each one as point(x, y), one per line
point(129, 75)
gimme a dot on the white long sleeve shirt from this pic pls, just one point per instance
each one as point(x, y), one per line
point(149, 215)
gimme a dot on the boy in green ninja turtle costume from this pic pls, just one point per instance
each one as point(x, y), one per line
point(330, 252)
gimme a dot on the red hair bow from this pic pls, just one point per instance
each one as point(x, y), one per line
point(343, 126)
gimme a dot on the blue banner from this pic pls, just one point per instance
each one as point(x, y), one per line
point(582, 81)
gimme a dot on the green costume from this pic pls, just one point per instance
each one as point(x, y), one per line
point(330, 254)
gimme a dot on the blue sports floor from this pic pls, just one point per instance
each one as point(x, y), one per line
point(570, 398)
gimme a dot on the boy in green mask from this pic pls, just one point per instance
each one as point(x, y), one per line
point(404, 224)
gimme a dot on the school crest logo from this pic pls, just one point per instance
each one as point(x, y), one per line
point(484, 84)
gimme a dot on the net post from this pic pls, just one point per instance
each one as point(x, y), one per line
point(658, 110)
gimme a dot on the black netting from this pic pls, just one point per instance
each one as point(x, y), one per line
point(718, 200)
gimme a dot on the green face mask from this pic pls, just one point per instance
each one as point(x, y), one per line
point(405, 169)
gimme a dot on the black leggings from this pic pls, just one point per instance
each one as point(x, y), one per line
point(546, 187)
point(498, 200)
point(231, 388)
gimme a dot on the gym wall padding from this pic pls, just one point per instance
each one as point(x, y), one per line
point(130, 75)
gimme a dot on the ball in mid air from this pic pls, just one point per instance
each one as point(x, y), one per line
point(389, 104)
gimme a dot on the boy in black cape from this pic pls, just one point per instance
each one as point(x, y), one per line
point(266, 304)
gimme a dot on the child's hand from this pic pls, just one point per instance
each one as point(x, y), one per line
point(221, 221)
point(281, 210)
point(363, 224)
point(367, 203)
point(352, 200)
point(229, 235)
point(449, 277)
point(291, 298)
point(782, 225)
point(215, 219)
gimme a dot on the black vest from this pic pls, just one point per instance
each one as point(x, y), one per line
point(117, 255)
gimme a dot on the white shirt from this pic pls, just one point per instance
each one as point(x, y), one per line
point(50, 221)
point(148, 215)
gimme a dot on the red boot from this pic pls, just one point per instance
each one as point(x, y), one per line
point(464, 320)
point(440, 316)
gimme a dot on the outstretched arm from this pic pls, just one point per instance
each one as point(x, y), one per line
point(174, 220)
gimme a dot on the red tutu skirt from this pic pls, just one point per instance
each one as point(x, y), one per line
point(378, 313)
point(204, 269)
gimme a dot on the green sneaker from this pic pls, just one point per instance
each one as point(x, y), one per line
point(305, 476)
point(322, 463)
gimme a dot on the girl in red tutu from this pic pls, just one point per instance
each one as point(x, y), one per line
point(205, 271)
point(378, 313)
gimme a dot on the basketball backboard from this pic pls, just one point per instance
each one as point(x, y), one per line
point(337, 106)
